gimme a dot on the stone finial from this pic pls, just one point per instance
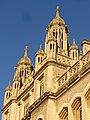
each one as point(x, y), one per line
point(26, 50)
point(57, 11)
point(40, 47)
point(74, 41)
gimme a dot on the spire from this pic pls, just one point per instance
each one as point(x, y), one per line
point(57, 11)
point(74, 41)
point(74, 46)
point(26, 51)
point(40, 47)
point(9, 86)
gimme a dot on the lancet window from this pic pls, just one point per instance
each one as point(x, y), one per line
point(64, 114)
point(77, 109)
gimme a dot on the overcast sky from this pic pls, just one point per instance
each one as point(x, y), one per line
point(23, 22)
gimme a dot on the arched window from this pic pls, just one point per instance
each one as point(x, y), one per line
point(77, 109)
point(63, 115)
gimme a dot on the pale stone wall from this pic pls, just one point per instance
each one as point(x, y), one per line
point(68, 97)
point(41, 110)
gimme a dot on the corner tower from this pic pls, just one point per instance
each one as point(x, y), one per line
point(56, 38)
point(24, 70)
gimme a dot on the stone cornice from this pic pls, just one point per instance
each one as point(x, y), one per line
point(49, 63)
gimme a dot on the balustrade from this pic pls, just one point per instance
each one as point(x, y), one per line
point(74, 69)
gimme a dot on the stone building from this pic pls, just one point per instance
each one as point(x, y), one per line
point(58, 88)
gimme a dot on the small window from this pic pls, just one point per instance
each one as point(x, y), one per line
point(53, 33)
point(56, 34)
point(73, 54)
point(62, 35)
point(62, 44)
point(21, 84)
point(7, 95)
point(15, 85)
point(38, 59)
point(50, 46)
point(25, 72)
point(41, 59)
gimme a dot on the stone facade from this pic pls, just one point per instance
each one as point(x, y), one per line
point(59, 86)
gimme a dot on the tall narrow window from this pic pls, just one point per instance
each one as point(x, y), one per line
point(25, 73)
point(56, 34)
point(38, 59)
point(21, 84)
point(53, 33)
point(73, 55)
point(63, 115)
point(41, 59)
point(50, 46)
point(62, 35)
point(77, 109)
point(15, 85)
point(7, 95)
point(62, 44)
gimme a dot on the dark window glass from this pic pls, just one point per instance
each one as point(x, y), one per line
point(50, 46)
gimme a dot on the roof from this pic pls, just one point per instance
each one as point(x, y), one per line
point(25, 59)
point(74, 46)
point(57, 19)
point(40, 51)
point(8, 87)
